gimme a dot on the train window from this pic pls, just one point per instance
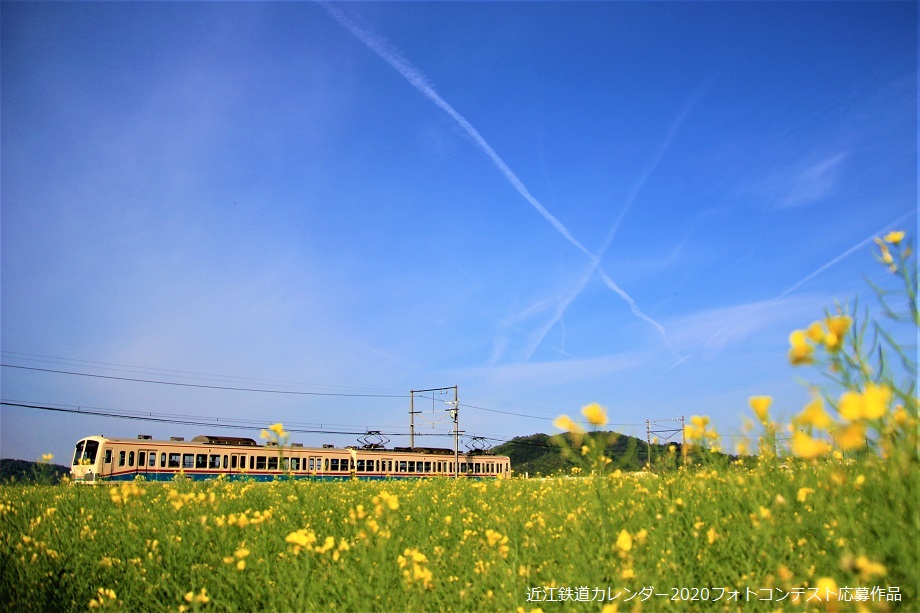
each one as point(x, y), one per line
point(162, 460)
point(401, 466)
point(201, 460)
point(233, 460)
point(131, 459)
point(310, 465)
point(175, 460)
point(252, 462)
point(213, 461)
point(78, 452)
point(152, 459)
point(285, 464)
point(121, 458)
point(295, 463)
point(226, 463)
point(273, 463)
point(334, 464)
point(361, 465)
point(188, 460)
point(260, 462)
point(108, 456)
point(325, 463)
point(141, 458)
point(427, 467)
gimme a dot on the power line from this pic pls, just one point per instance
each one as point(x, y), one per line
point(134, 369)
point(202, 386)
point(195, 421)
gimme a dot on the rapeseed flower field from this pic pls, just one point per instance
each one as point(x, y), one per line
point(821, 514)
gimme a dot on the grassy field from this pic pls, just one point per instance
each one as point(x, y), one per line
point(825, 518)
point(736, 538)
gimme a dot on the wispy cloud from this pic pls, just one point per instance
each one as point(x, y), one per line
point(559, 372)
point(803, 182)
point(383, 50)
point(714, 330)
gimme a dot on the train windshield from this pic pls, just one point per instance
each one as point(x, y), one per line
point(86, 452)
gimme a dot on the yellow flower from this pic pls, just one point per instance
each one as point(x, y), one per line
point(624, 541)
point(868, 570)
point(564, 422)
point(852, 436)
point(837, 328)
point(815, 332)
point(700, 421)
point(801, 351)
point(803, 493)
point(47, 457)
point(871, 404)
point(278, 429)
point(814, 415)
point(876, 399)
point(303, 538)
point(711, 536)
point(883, 249)
point(804, 446)
point(850, 406)
point(595, 414)
point(826, 589)
point(760, 405)
point(894, 237)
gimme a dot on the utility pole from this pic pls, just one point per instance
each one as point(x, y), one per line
point(412, 413)
point(455, 414)
point(454, 411)
point(661, 430)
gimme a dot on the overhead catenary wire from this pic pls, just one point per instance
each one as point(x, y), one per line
point(260, 390)
point(171, 372)
point(202, 386)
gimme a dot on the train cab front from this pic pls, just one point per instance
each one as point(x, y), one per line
point(87, 460)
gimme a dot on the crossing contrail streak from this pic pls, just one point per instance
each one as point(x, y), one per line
point(595, 265)
point(417, 80)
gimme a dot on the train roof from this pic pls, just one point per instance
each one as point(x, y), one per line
point(236, 441)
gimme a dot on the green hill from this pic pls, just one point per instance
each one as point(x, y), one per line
point(540, 455)
point(22, 471)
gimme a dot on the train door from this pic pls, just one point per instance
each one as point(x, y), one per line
point(107, 461)
point(237, 463)
point(147, 463)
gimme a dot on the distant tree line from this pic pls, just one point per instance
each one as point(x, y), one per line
point(24, 472)
point(539, 455)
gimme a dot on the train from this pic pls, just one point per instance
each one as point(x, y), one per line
point(101, 459)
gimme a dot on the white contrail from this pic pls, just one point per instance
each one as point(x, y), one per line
point(417, 80)
point(809, 277)
point(845, 254)
point(595, 266)
point(411, 74)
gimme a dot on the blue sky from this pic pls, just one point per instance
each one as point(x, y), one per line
point(546, 204)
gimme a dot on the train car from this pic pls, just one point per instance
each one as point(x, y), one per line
point(97, 458)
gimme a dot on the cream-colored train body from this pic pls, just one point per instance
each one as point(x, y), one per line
point(97, 458)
